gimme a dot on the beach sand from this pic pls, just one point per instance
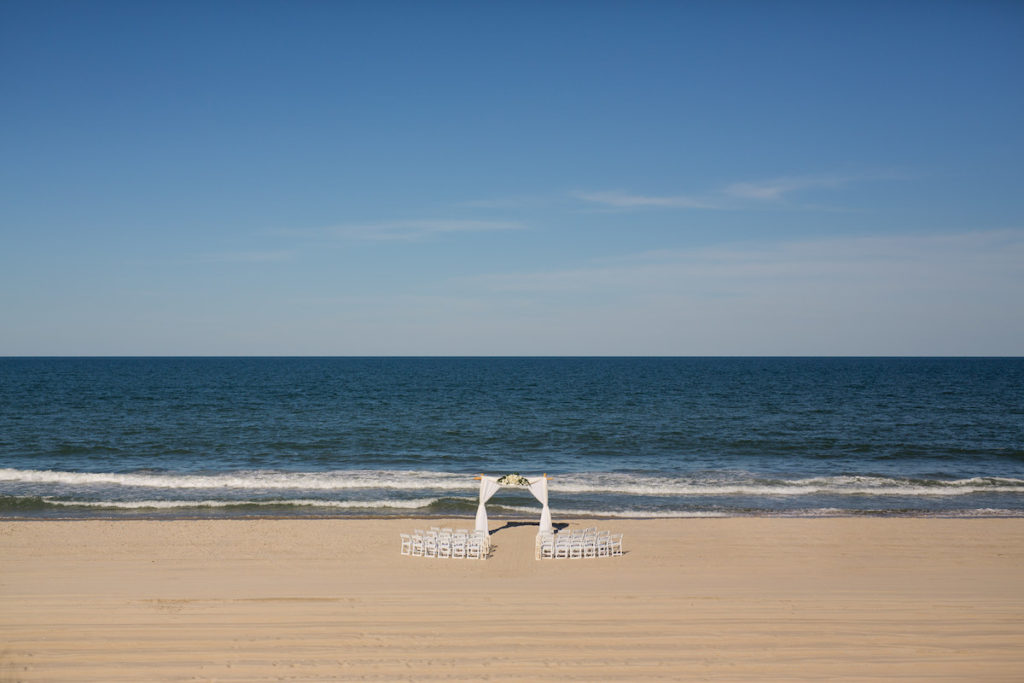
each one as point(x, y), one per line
point(693, 599)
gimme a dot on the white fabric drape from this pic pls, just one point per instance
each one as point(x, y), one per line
point(539, 489)
point(488, 487)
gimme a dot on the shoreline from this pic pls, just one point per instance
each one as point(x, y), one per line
point(381, 493)
point(839, 514)
point(741, 598)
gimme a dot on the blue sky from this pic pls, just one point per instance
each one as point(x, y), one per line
point(576, 178)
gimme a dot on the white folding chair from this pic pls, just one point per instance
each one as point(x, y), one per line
point(459, 546)
point(430, 545)
point(561, 547)
point(545, 546)
point(474, 547)
point(444, 545)
point(485, 541)
point(615, 545)
point(406, 544)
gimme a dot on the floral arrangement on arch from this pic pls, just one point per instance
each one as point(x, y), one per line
point(514, 479)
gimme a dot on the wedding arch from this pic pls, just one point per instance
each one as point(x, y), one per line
point(537, 486)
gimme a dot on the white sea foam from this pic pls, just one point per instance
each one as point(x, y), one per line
point(253, 479)
point(575, 483)
point(720, 486)
point(984, 512)
point(175, 504)
point(518, 511)
point(563, 513)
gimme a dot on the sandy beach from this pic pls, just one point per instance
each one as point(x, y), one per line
point(692, 599)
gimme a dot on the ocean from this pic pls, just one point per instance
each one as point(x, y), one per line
point(619, 437)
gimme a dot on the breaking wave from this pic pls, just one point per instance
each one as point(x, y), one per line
point(600, 482)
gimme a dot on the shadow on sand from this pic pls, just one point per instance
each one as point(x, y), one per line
point(558, 526)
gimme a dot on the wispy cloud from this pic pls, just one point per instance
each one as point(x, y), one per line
point(248, 256)
point(412, 230)
point(940, 294)
point(910, 294)
point(620, 199)
point(735, 196)
point(961, 262)
point(505, 203)
point(777, 188)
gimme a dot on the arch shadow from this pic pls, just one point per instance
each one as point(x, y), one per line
point(558, 526)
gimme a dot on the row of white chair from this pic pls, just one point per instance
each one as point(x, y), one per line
point(578, 544)
point(445, 543)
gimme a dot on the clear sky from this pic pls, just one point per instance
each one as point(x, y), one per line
point(511, 178)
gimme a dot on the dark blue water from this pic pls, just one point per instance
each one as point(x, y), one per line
point(619, 436)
